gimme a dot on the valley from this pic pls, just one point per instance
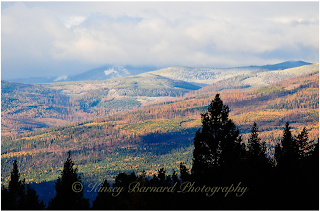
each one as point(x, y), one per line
point(29, 107)
point(144, 122)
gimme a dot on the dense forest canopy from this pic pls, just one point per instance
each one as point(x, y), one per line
point(220, 157)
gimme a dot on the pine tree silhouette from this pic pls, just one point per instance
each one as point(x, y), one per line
point(124, 200)
point(257, 159)
point(175, 179)
point(287, 154)
point(32, 200)
point(217, 145)
point(305, 147)
point(298, 171)
point(16, 196)
point(184, 174)
point(161, 176)
point(5, 204)
point(104, 198)
point(68, 189)
point(16, 188)
point(13, 198)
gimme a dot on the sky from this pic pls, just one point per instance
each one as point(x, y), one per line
point(41, 39)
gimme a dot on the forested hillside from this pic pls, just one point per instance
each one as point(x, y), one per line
point(29, 107)
point(207, 76)
point(161, 134)
point(219, 157)
point(24, 105)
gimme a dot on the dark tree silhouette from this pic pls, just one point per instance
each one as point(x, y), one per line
point(297, 171)
point(124, 180)
point(305, 146)
point(68, 189)
point(184, 174)
point(256, 157)
point(175, 179)
point(5, 205)
point(32, 200)
point(161, 175)
point(16, 196)
point(217, 145)
point(104, 198)
point(124, 200)
point(287, 154)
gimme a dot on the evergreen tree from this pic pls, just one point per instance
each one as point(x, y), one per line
point(298, 170)
point(68, 195)
point(32, 200)
point(16, 188)
point(5, 204)
point(257, 159)
point(161, 176)
point(217, 144)
point(314, 159)
point(124, 180)
point(124, 200)
point(287, 154)
point(16, 196)
point(175, 179)
point(304, 146)
point(184, 175)
point(104, 198)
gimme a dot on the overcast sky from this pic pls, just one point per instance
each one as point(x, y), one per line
point(58, 38)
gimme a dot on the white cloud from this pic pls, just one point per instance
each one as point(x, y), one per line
point(53, 34)
point(74, 21)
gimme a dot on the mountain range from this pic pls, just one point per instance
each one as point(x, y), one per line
point(160, 134)
point(145, 121)
point(100, 73)
point(27, 107)
point(203, 74)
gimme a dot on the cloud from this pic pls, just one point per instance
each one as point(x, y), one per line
point(74, 21)
point(59, 37)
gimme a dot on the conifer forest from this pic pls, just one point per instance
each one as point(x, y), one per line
point(226, 173)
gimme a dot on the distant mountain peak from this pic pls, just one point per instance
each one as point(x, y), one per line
point(116, 71)
point(61, 78)
point(284, 65)
point(197, 75)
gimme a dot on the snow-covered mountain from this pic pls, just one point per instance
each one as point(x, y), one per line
point(204, 76)
point(101, 73)
point(116, 72)
point(195, 75)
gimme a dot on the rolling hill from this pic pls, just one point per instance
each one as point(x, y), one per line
point(24, 105)
point(207, 76)
point(100, 73)
point(111, 71)
point(259, 79)
point(28, 107)
point(160, 135)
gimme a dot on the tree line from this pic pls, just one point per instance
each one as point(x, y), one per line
point(288, 181)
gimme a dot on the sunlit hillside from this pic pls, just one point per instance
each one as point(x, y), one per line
point(29, 107)
point(160, 135)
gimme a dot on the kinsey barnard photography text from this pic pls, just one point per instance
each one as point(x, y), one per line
point(186, 187)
